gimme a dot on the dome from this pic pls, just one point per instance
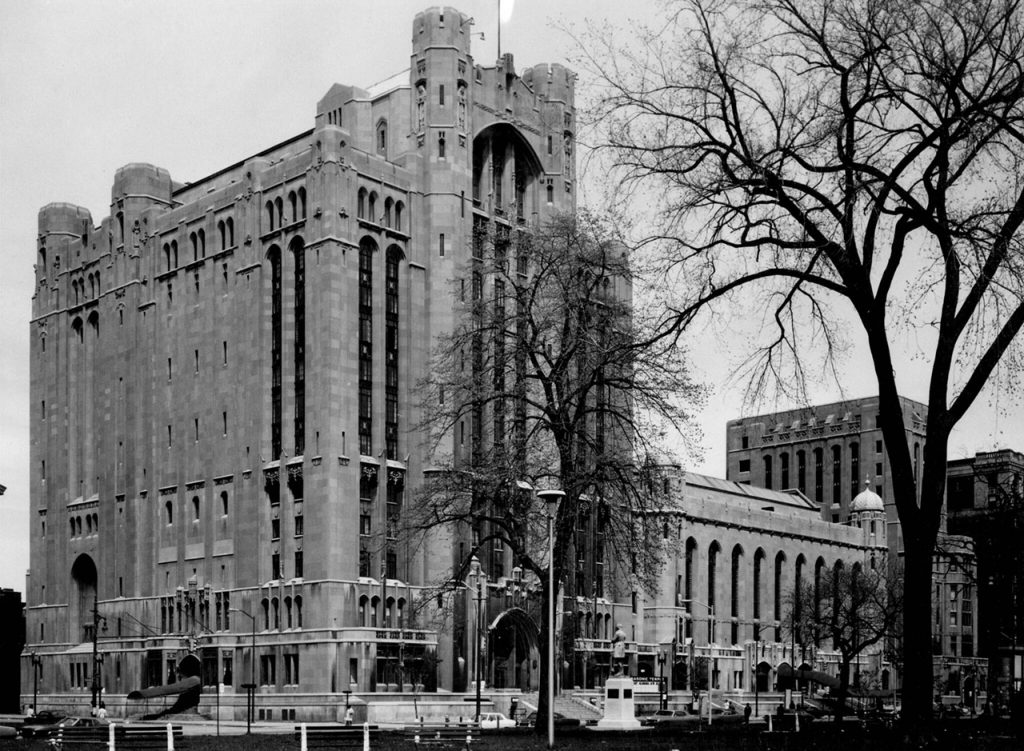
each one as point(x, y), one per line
point(867, 500)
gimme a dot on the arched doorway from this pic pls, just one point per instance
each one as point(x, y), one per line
point(513, 647)
point(764, 676)
point(785, 677)
point(804, 683)
point(83, 599)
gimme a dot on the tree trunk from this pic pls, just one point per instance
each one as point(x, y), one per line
point(917, 629)
point(844, 689)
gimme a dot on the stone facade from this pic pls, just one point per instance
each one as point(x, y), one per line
point(221, 378)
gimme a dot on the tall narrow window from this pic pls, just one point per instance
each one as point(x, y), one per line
point(275, 353)
point(712, 584)
point(854, 470)
point(440, 245)
point(441, 144)
point(784, 470)
point(819, 475)
point(837, 474)
point(768, 472)
point(391, 353)
point(366, 250)
point(801, 471)
point(299, 253)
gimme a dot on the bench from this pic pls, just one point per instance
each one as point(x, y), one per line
point(443, 736)
point(155, 737)
point(335, 736)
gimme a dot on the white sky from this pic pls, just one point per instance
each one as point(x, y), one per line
point(86, 87)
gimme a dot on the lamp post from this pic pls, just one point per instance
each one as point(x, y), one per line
point(97, 658)
point(37, 663)
point(662, 688)
point(479, 581)
point(551, 499)
point(250, 687)
point(711, 620)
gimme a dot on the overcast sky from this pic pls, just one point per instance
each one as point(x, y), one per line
point(86, 87)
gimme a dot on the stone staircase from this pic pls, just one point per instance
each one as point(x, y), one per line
point(565, 704)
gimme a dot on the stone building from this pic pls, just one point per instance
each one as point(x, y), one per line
point(985, 502)
point(221, 377)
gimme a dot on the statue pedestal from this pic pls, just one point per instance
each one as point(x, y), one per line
point(619, 705)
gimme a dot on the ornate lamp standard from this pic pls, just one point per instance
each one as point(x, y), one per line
point(250, 687)
point(551, 498)
point(479, 581)
point(711, 618)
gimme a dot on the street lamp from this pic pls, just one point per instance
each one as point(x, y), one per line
point(97, 658)
point(551, 499)
point(479, 582)
point(250, 687)
point(37, 663)
point(662, 688)
point(711, 621)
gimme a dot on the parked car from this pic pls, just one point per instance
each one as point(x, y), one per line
point(43, 721)
point(561, 721)
point(48, 731)
point(677, 718)
point(495, 721)
point(662, 714)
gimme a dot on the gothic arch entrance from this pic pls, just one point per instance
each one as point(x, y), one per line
point(82, 599)
point(513, 656)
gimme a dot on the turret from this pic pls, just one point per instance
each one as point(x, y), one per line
point(61, 226)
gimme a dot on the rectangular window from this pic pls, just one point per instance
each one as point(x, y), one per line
point(168, 368)
point(744, 465)
point(440, 95)
point(195, 426)
point(196, 352)
point(43, 408)
point(224, 420)
point(298, 564)
point(275, 530)
point(440, 246)
point(291, 670)
point(878, 469)
point(170, 437)
point(275, 566)
point(298, 525)
point(268, 670)
point(225, 346)
point(878, 447)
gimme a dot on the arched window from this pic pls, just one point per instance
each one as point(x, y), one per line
point(223, 234)
point(364, 602)
point(801, 471)
point(361, 203)
point(388, 205)
point(275, 606)
point(819, 475)
point(195, 246)
point(174, 252)
point(401, 613)
point(298, 611)
point(169, 509)
point(195, 508)
point(399, 209)
point(202, 243)
point(293, 204)
point(88, 524)
point(784, 470)
point(71, 523)
point(382, 138)
point(855, 478)
point(230, 224)
point(389, 613)
point(837, 473)
point(287, 612)
point(768, 472)
point(734, 591)
point(759, 557)
point(302, 203)
point(371, 208)
point(374, 605)
point(441, 145)
point(279, 211)
point(270, 216)
point(265, 604)
point(780, 563)
point(167, 257)
point(224, 503)
point(713, 552)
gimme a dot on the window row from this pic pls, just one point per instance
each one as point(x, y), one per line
point(196, 431)
point(271, 609)
point(394, 612)
point(367, 207)
point(92, 525)
point(196, 361)
point(196, 508)
point(197, 243)
point(81, 292)
point(274, 210)
point(268, 670)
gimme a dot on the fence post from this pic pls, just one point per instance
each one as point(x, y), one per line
point(110, 737)
point(170, 737)
point(302, 737)
point(366, 736)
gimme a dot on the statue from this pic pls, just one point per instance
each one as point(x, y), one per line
point(618, 650)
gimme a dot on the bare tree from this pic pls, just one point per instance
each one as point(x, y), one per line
point(857, 154)
point(850, 610)
point(548, 380)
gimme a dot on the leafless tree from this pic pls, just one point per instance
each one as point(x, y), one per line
point(548, 380)
point(845, 157)
point(850, 610)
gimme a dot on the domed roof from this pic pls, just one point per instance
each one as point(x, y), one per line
point(866, 500)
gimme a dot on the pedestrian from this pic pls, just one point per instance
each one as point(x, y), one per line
point(348, 716)
point(746, 713)
point(101, 713)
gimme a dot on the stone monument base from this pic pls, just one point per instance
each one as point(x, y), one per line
point(619, 705)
